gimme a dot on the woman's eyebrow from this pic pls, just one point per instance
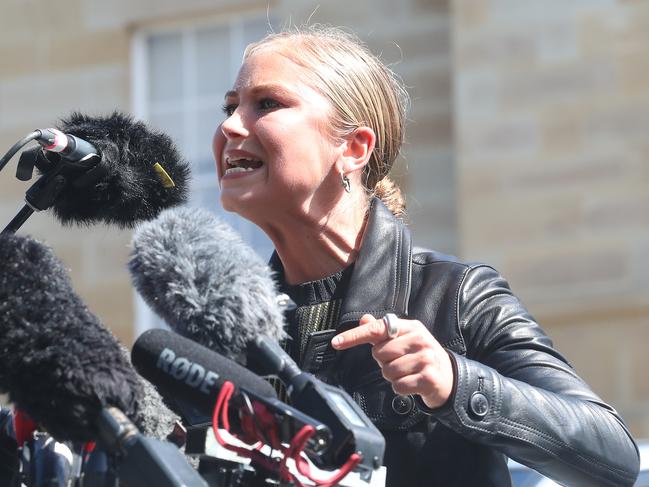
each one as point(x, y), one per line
point(272, 87)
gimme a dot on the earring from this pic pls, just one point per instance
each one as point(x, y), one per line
point(345, 182)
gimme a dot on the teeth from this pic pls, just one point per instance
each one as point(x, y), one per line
point(241, 164)
point(237, 160)
point(238, 169)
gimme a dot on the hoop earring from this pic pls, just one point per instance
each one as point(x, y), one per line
point(345, 182)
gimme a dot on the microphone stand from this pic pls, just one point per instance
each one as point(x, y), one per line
point(17, 221)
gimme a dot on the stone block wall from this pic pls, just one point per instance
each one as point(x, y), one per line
point(551, 118)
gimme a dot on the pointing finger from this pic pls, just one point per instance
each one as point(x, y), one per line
point(370, 330)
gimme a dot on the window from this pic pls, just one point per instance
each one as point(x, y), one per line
point(179, 77)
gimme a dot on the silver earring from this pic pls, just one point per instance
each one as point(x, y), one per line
point(345, 182)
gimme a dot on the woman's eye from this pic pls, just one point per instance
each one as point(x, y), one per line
point(229, 109)
point(268, 104)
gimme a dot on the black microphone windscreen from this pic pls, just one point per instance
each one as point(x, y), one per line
point(57, 362)
point(131, 187)
point(197, 274)
point(179, 367)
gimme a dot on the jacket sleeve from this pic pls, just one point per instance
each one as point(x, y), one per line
point(515, 392)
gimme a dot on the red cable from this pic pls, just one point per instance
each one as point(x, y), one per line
point(294, 450)
point(304, 468)
point(221, 410)
point(297, 447)
point(224, 395)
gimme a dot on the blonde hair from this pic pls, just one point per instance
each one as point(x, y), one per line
point(362, 91)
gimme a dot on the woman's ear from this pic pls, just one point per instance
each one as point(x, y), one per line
point(357, 150)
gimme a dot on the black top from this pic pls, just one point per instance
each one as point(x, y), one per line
point(318, 308)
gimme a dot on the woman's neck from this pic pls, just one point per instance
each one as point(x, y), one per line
point(312, 245)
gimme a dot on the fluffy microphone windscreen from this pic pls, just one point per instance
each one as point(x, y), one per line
point(136, 169)
point(158, 420)
point(57, 362)
point(197, 274)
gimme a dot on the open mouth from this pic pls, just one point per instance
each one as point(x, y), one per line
point(241, 164)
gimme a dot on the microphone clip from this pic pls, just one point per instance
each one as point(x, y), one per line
point(57, 173)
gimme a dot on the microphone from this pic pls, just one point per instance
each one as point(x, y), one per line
point(108, 169)
point(197, 274)
point(181, 368)
point(158, 421)
point(57, 362)
point(70, 147)
point(142, 172)
point(68, 372)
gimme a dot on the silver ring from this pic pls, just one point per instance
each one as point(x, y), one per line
point(391, 326)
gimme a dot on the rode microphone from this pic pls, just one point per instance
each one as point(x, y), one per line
point(186, 369)
point(181, 368)
point(108, 169)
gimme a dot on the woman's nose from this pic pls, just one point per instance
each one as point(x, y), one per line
point(234, 126)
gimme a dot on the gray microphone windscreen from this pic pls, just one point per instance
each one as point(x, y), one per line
point(199, 276)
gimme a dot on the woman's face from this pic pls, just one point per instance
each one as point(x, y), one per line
point(273, 151)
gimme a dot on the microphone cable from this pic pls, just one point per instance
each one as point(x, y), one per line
point(294, 451)
point(17, 146)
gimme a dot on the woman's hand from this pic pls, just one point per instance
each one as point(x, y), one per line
point(413, 360)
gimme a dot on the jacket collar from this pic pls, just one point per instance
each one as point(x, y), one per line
point(380, 280)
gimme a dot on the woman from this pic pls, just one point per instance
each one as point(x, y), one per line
point(458, 374)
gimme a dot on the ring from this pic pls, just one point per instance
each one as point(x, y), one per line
point(391, 327)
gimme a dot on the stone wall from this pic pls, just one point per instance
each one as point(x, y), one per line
point(551, 116)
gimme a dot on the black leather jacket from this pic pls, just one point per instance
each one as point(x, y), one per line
point(514, 394)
